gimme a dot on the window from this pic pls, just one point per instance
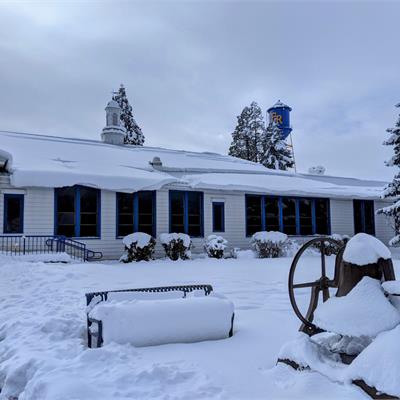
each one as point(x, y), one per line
point(77, 212)
point(218, 210)
point(364, 216)
point(291, 215)
point(146, 212)
point(322, 219)
point(124, 214)
point(253, 214)
point(272, 219)
point(115, 119)
point(186, 212)
point(305, 216)
point(136, 213)
point(13, 213)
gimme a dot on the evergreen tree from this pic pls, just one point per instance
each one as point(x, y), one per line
point(134, 134)
point(276, 153)
point(392, 190)
point(246, 138)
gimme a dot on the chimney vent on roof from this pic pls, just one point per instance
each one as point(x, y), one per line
point(156, 163)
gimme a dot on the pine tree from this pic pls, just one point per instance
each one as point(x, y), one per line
point(134, 134)
point(246, 138)
point(392, 190)
point(276, 154)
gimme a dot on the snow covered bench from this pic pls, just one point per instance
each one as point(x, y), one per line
point(159, 315)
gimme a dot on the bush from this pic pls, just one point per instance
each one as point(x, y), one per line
point(270, 244)
point(139, 246)
point(330, 248)
point(215, 246)
point(176, 245)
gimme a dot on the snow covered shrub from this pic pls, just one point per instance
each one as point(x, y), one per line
point(176, 245)
point(270, 244)
point(330, 248)
point(215, 246)
point(139, 246)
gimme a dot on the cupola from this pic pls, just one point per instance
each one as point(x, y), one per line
point(113, 132)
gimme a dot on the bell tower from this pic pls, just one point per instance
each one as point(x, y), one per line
point(113, 132)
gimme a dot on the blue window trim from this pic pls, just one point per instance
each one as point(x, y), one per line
point(185, 209)
point(219, 204)
point(297, 199)
point(77, 203)
point(135, 200)
point(8, 196)
point(363, 216)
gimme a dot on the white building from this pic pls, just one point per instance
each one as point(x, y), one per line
point(98, 191)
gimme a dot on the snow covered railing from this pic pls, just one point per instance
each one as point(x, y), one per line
point(17, 245)
point(158, 315)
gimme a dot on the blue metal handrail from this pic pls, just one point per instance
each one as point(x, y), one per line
point(36, 244)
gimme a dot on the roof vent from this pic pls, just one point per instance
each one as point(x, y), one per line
point(156, 163)
point(317, 170)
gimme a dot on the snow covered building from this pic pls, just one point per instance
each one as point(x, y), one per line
point(99, 191)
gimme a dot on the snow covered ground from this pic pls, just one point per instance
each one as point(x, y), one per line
point(43, 354)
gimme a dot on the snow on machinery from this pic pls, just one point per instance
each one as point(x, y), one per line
point(158, 315)
point(353, 336)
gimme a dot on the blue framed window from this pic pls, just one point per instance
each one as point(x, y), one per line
point(186, 212)
point(136, 212)
point(13, 219)
point(77, 211)
point(218, 216)
point(291, 215)
point(364, 216)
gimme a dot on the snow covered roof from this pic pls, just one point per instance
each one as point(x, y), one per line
point(279, 104)
point(49, 161)
point(113, 104)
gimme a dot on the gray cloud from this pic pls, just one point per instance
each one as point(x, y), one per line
point(190, 67)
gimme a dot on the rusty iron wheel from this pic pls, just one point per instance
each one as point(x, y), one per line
point(320, 285)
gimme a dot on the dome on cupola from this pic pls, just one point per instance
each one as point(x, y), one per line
point(112, 104)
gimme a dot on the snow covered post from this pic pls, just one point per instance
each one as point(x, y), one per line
point(364, 255)
point(392, 190)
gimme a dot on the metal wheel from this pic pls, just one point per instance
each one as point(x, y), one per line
point(320, 285)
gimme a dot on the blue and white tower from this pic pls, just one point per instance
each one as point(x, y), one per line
point(280, 114)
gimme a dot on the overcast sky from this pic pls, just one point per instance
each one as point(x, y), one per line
point(190, 67)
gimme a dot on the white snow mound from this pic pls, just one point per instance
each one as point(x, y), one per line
point(167, 238)
point(379, 364)
point(365, 311)
point(271, 236)
point(363, 249)
point(154, 322)
point(140, 238)
point(391, 287)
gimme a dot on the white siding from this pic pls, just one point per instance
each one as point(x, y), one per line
point(39, 218)
point(342, 217)
point(383, 229)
